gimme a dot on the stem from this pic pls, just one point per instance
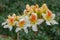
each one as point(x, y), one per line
point(18, 36)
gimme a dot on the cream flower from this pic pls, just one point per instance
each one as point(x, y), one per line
point(49, 17)
point(35, 21)
point(10, 21)
point(23, 23)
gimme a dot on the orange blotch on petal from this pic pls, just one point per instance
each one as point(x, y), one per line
point(49, 15)
point(21, 23)
point(33, 18)
point(11, 21)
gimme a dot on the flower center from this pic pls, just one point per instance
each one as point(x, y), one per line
point(33, 18)
point(11, 21)
point(21, 23)
point(49, 15)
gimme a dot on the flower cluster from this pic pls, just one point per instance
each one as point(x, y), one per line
point(33, 16)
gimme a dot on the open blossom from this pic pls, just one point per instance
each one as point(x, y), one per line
point(23, 23)
point(49, 17)
point(10, 21)
point(35, 21)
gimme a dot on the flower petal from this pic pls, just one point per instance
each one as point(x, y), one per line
point(25, 29)
point(17, 29)
point(27, 21)
point(44, 16)
point(6, 26)
point(53, 22)
point(28, 24)
point(40, 21)
point(4, 23)
point(26, 18)
point(10, 28)
point(53, 16)
point(34, 27)
point(48, 23)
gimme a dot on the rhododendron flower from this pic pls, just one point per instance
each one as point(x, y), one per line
point(9, 23)
point(35, 21)
point(23, 23)
point(49, 17)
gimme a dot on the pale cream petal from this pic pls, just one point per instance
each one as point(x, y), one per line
point(25, 29)
point(6, 26)
point(39, 21)
point(53, 22)
point(17, 29)
point(44, 16)
point(53, 16)
point(26, 18)
point(27, 21)
point(10, 28)
point(28, 24)
point(4, 23)
point(17, 23)
point(34, 28)
point(48, 23)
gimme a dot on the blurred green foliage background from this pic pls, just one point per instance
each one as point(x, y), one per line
point(8, 7)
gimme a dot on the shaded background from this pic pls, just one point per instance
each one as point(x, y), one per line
point(17, 6)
